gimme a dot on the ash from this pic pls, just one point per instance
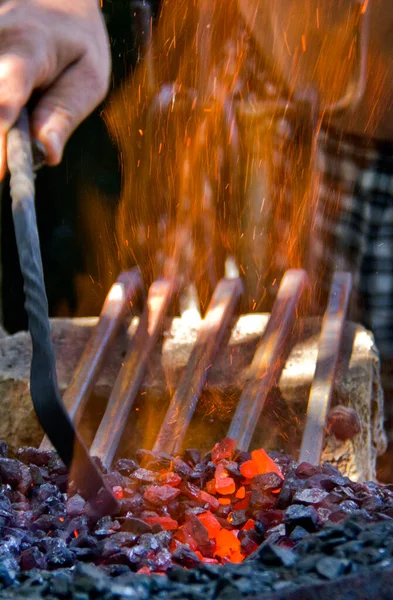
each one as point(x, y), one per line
point(188, 527)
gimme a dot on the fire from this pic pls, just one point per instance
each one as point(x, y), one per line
point(206, 132)
point(215, 535)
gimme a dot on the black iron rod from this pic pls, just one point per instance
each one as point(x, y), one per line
point(43, 378)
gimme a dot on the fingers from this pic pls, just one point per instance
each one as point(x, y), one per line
point(17, 77)
point(65, 104)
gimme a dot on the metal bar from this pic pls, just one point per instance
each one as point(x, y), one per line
point(131, 374)
point(210, 336)
point(324, 378)
point(44, 387)
point(269, 358)
point(117, 302)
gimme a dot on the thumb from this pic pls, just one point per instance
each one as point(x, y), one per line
point(64, 105)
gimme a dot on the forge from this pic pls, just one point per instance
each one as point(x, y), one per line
point(197, 517)
point(234, 432)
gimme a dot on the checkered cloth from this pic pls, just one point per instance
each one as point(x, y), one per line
point(354, 226)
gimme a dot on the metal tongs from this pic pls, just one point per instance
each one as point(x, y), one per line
point(44, 387)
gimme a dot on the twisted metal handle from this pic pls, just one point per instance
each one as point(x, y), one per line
point(44, 387)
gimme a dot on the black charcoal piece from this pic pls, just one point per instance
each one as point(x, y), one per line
point(125, 466)
point(33, 456)
point(8, 571)
point(331, 567)
point(60, 585)
point(145, 476)
point(181, 468)
point(16, 474)
point(75, 505)
point(310, 496)
point(267, 481)
point(32, 558)
point(192, 455)
point(272, 555)
point(89, 579)
point(298, 533)
point(37, 475)
point(60, 558)
point(305, 470)
point(237, 518)
point(135, 525)
point(305, 516)
point(185, 557)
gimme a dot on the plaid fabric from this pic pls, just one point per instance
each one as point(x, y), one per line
point(354, 226)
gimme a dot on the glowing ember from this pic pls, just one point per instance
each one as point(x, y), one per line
point(216, 521)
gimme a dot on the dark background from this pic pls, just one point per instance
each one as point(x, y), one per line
point(90, 159)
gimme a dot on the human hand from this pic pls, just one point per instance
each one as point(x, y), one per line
point(60, 50)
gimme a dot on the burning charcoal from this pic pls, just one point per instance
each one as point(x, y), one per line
point(84, 540)
point(33, 456)
point(159, 495)
point(192, 456)
point(135, 525)
point(224, 449)
point(331, 568)
point(145, 476)
point(197, 537)
point(3, 449)
point(46, 523)
point(32, 559)
point(38, 475)
point(310, 496)
point(160, 523)
point(237, 518)
point(184, 556)
point(305, 516)
point(232, 467)
point(15, 473)
point(266, 481)
point(170, 478)
point(125, 466)
point(79, 524)
point(75, 505)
